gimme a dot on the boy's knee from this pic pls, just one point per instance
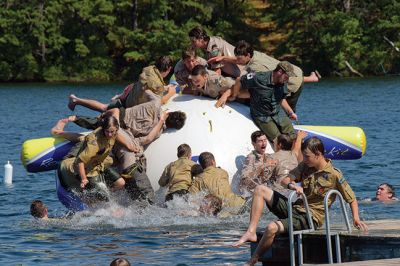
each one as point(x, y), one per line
point(262, 190)
point(119, 183)
point(272, 228)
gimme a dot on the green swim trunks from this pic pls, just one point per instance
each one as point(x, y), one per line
point(280, 209)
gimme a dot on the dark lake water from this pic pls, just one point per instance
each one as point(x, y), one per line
point(158, 236)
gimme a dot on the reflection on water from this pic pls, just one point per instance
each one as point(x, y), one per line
point(169, 236)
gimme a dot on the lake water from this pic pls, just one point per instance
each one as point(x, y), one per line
point(159, 236)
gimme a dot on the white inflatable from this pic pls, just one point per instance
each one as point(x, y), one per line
point(225, 132)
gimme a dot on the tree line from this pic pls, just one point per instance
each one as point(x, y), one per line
point(108, 40)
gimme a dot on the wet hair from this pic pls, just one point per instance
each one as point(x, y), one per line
point(256, 134)
point(189, 52)
point(108, 120)
point(243, 48)
point(184, 150)
point(163, 63)
point(199, 70)
point(175, 120)
point(390, 189)
point(215, 203)
point(196, 169)
point(199, 33)
point(120, 262)
point(285, 141)
point(314, 144)
point(38, 209)
point(206, 159)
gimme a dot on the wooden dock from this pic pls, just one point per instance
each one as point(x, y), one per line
point(385, 262)
point(381, 243)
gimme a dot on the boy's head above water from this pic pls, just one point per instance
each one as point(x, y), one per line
point(39, 210)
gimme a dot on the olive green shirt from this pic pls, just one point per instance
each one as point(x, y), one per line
point(94, 153)
point(216, 84)
point(149, 79)
point(177, 175)
point(316, 183)
point(216, 182)
point(261, 62)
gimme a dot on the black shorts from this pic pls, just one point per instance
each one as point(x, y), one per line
point(280, 209)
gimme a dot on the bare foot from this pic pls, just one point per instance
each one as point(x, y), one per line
point(72, 102)
point(59, 127)
point(318, 74)
point(251, 262)
point(311, 78)
point(248, 236)
point(71, 118)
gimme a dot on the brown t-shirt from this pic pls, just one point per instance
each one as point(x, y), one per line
point(316, 183)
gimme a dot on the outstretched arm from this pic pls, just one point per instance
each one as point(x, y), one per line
point(297, 144)
point(154, 132)
point(356, 218)
point(222, 58)
point(58, 130)
point(288, 109)
point(124, 140)
point(171, 92)
point(82, 174)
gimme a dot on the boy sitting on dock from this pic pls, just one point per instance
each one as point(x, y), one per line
point(317, 176)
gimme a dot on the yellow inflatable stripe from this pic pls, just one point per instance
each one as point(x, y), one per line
point(32, 147)
point(352, 135)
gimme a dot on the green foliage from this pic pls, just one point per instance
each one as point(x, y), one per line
point(103, 40)
point(325, 34)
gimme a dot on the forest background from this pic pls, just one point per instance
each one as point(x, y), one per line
point(111, 40)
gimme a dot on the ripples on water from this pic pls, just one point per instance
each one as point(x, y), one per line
point(159, 236)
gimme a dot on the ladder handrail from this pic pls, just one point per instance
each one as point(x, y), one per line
point(328, 226)
point(292, 232)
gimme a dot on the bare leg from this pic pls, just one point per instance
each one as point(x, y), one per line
point(261, 194)
point(120, 183)
point(58, 130)
point(273, 229)
point(313, 77)
point(91, 104)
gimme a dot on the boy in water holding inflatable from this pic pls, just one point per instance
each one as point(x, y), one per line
point(216, 181)
point(317, 176)
point(89, 167)
point(177, 175)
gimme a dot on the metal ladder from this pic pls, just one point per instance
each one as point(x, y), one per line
point(328, 227)
point(299, 233)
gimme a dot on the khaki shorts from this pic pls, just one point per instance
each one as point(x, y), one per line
point(280, 209)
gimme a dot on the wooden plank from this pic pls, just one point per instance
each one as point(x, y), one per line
point(381, 243)
point(385, 262)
